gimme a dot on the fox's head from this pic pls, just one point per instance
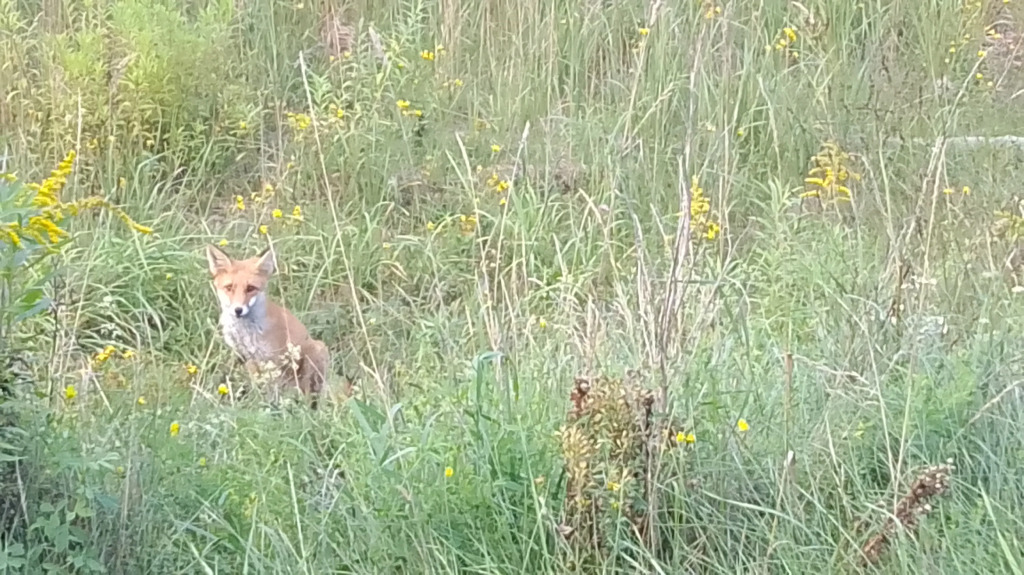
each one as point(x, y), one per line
point(241, 285)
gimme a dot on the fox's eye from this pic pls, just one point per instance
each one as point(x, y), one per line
point(250, 289)
point(229, 287)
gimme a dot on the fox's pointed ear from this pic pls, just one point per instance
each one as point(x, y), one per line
point(265, 262)
point(218, 260)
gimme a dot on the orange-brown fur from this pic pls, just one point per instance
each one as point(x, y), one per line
point(260, 331)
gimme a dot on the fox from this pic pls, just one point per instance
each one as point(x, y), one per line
point(263, 334)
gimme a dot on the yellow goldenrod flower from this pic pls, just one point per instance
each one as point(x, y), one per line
point(191, 369)
point(448, 472)
point(742, 425)
point(339, 113)
point(967, 191)
point(175, 429)
point(69, 392)
point(495, 148)
point(427, 55)
point(141, 400)
point(276, 214)
point(643, 31)
point(297, 213)
point(128, 354)
point(947, 191)
point(240, 202)
point(431, 226)
point(223, 242)
point(457, 83)
point(263, 229)
point(402, 104)
point(981, 53)
point(222, 389)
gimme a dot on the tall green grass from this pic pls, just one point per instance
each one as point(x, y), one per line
point(463, 313)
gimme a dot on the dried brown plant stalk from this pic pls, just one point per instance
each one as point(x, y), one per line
point(930, 483)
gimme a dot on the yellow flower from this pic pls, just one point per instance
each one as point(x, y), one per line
point(448, 472)
point(263, 230)
point(644, 31)
point(967, 191)
point(69, 392)
point(339, 113)
point(502, 202)
point(240, 202)
point(790, 34)
point(542, 323)
point(297, 213)
point(191, 369)
point(427, 55)
point(175, 429)
point(431, 226)
point(242, 125)
point(947, 191)
point(742, 425)
point(386, 246)
point(277, 214)
point(685, 438)
point(713, 230)
point(202, 462)
point(402, 104)
point(613, 486)
point(502, 186)
point(981, 53)
point(223, 242)
point(222, 389)
point(418, 113)
point(141, 400)
point(495, 148)
point(128, 354)
point(457, 83)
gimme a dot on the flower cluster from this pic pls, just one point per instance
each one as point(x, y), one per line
point(298, 122)
point(37, 209)
point(110, 351)
point(701, 220)
point(785, 41)
point(829, 175)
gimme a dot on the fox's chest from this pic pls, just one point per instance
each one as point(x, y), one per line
point(247, 339)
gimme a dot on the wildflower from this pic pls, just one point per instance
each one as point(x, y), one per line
point(457, 83)
point(542, 323)
point(297, 213)
point(790, 34)
point(299, 122)
point(742, 425)
point(947, 191)
point(339, 113)
point(263, 229)
point(712, 231)
point(202, 462)
point(685, 438)
point(223, 242)
point(739, 133)
point(431, 226)
point(643, 31)
point(966, 191)
point(613, 486)
point(495, 148)
point(427, 55)
point(69, 392)
point(981, 53)
point(386, 246)
point(979, 76)
point(402, 104)
point(276, 214)
point(141, 400)
point(448, 472)
point(240, 202)
point(242, 125)
point(119, 470)
point(175, 429)
point(222, 389)
point(502, 202)
point(128, 354)
point(502, 186)
point(191, 369)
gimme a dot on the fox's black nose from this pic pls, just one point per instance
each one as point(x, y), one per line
point(239, 311)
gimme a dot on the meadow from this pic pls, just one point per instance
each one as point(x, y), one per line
point(704, 286)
